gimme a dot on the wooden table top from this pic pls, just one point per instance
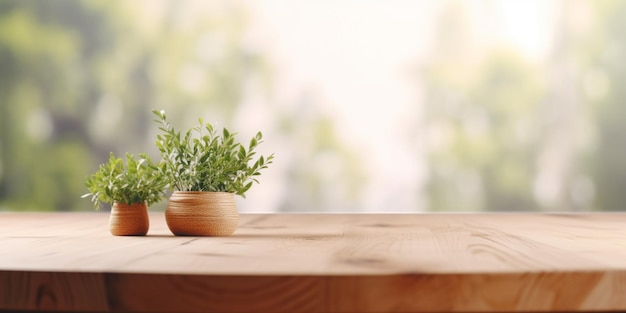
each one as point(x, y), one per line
point(318, 263)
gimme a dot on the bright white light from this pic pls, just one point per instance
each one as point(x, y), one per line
point(525, 26)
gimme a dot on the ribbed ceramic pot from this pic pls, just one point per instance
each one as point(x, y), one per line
point(129, 220)
point(196, 213)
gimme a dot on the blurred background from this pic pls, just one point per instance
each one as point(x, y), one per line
point(369, 106)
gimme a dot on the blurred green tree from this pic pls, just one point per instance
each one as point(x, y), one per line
point(481, 119)
point(79, 78)
point(46, 49)
point(333, 177)
point(602, 53)
point(483, 136)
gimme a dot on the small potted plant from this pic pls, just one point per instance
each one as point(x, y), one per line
point(130, 188)
point(206, 169)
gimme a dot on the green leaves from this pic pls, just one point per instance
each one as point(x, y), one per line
point(198, 160)
point(137, 181)
point(204, 160)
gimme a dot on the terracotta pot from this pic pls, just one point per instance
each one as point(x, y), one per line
point(194, 213)
point(129, 220)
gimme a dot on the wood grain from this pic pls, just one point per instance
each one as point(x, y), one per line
point(129, 220)
point(196, 213)
point(318, 263)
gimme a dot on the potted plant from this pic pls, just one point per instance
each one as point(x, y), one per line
point(206, 169)
point(130, 188)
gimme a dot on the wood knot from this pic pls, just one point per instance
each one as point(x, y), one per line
point(365, 261)
point(46, 299)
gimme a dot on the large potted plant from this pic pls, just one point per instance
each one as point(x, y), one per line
point(130, 188)
point(206, 169)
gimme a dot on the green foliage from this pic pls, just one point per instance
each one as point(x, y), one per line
point(487, 158)
point(113, 70)
point(138, 181)
point(206, 160)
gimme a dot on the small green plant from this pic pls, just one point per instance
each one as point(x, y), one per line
point(205, 160)
point(137, 181)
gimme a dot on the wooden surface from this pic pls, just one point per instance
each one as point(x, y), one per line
point(318, 263)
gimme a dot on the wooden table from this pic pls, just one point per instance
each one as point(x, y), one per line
point(318, 263)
